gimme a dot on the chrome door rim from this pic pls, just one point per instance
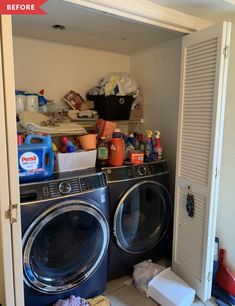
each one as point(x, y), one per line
point(115, 220)
point(43, 219)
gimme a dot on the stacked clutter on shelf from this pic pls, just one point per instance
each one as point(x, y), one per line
point(116, 97)
point(74, 147)
point(116, 148)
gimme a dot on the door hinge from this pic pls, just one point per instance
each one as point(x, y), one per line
point(12, 213)
point(226, 51)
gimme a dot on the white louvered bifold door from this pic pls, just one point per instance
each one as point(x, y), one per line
point(200, 129)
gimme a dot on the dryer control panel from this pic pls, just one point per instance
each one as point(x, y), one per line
point(136, 171)
point(60, 187)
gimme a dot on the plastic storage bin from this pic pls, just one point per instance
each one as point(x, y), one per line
point(75, 161)
point(112, 107)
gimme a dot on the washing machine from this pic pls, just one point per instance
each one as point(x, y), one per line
point(140, 215)
point(65, 237)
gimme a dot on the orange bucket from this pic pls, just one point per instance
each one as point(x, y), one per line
point(88, 141)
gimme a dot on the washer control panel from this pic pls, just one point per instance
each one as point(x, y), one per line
point(136, 171)
point(65, 187)
point(61, 187)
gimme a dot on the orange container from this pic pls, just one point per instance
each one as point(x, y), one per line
point(88, 141)
point(105, 128)
point(137, 158)
point(116, 152)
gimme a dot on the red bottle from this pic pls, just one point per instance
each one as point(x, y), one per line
point(225, 278)
point(116, 152)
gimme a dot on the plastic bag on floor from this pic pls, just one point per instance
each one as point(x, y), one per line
point(72, 301)
point(143, 273)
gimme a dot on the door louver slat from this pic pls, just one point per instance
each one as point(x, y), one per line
point(199, 61)
point(205, 45)
point(196, 80)
point(202, 75)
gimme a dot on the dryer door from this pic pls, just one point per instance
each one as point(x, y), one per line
point(142, 217)
point(64, 246)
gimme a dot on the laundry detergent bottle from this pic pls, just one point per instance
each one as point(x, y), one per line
point(116, 151)
point(35, 158)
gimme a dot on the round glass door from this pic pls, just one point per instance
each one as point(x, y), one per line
point(64, 246)
point(142, 217)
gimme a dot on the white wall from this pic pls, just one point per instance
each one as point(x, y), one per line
point(158, 71)
point(58, 68)
point(226, 208)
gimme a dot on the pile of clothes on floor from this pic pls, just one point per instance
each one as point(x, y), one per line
point(78, 301)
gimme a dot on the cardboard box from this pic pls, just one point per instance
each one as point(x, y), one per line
point(136, 114)
point(75, 161)
point(73, 99)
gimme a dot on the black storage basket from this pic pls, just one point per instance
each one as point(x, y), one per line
point(112, 107)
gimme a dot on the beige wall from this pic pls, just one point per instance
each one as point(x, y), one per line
point(157, 70)
point(58, 68)
point(226, 208)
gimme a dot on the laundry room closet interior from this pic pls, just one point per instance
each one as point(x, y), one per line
point(92, 45)
point(74, 46)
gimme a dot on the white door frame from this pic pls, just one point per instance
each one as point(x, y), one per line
point(12, 237)
point(6, 264)
point(147, 12)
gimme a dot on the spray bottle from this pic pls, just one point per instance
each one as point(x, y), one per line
point(149, 146)
point(157, 149)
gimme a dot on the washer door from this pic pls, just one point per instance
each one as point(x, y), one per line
point(142, 217)
point(64, 246)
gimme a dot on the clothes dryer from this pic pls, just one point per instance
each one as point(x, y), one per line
point(65, 237)
point(140, 215)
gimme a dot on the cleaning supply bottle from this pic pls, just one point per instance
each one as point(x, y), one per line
point(149, 146)
point(137, 142)
point(42, 102)
point(116, 150)
point(102, 152)
point(36, 158)
point(131, 139)
point(157, 148)
point(141, 143)
point(67, 145)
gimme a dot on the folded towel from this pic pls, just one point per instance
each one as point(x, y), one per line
point(99, 301)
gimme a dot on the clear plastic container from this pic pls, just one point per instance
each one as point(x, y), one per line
point(32, 102)
point(20, 102)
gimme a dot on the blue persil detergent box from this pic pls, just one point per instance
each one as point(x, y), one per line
point(35, 158)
